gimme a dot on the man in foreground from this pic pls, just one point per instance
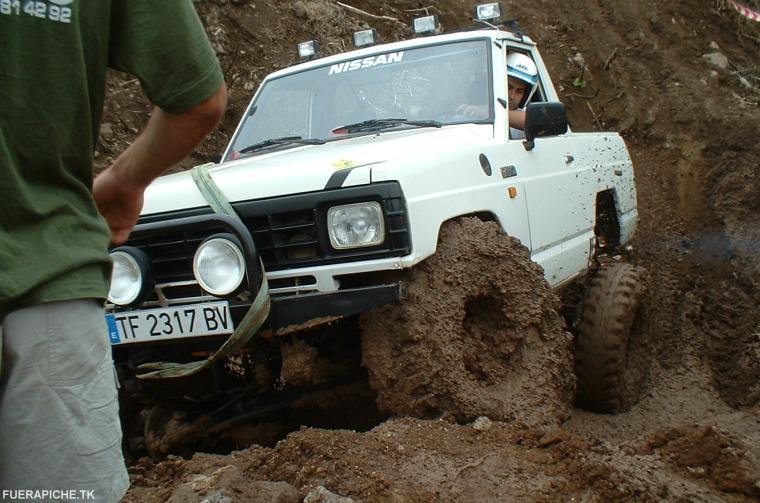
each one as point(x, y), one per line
point(59, 426)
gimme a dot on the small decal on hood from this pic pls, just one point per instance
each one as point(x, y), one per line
point(343, 164)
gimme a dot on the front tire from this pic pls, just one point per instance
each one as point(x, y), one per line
point(478, 334)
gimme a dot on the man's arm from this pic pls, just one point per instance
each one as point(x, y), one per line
point(517, 119)
point(166, 140)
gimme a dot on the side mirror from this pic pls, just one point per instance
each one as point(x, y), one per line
point(544, 119)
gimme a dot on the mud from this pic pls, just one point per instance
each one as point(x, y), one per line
point(691, 128)
point(166, 430)
point(477, 335)
point(300, 364)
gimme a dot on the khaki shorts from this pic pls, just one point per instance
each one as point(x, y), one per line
point(59, 413)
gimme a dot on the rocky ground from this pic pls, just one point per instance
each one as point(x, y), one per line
point(681, 82)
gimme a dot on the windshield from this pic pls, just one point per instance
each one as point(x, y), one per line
point(417, 87)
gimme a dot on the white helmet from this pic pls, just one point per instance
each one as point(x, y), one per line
point(523, 68)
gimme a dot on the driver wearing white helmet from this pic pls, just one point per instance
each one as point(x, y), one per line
point(522, 82)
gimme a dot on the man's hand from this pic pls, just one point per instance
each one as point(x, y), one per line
point(119, 203)
point(167, 138)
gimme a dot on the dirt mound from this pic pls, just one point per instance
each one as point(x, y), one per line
point(681, 82)
point(414, 461)
point(477, 335)
point(704, 453)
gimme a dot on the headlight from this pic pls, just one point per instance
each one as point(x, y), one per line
point(129, 276)
point(219, 266)
point(356, 225)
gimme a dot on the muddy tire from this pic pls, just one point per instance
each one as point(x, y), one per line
point(611, 360)
point(169, 431)
point(478, 334)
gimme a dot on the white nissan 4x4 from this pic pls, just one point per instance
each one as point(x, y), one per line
point(345, 176)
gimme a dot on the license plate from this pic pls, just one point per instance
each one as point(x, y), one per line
point(212, 318)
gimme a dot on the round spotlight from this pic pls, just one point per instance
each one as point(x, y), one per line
point(128, 276)
point(219, 265)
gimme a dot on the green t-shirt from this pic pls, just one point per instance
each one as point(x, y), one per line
point(53, 60)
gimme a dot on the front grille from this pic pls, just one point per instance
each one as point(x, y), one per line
point(292, 232)
point(289, 232)
point(286, 238)
point(171, 256)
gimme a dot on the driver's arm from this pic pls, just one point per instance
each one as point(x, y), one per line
point(517, 119)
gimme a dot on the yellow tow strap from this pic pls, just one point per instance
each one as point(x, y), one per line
point(251, 322)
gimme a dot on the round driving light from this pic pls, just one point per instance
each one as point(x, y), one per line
point(219, 266)
point(126, 279)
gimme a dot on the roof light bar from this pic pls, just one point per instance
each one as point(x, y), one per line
point(488, 11)
point(365, 38)
point(426, 25)
point(308, 49)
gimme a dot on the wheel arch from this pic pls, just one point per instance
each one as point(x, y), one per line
point(607, 229)
point(483, 216)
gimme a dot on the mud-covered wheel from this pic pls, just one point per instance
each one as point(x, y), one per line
point(611, 360)
point(478, 334)
point(167, 430)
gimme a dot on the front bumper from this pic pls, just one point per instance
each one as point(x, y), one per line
point(171, 245)
point(296, 312)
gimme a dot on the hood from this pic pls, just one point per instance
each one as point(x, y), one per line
point(310, 168)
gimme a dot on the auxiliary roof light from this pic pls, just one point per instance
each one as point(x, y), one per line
point(488, 11)
point(426, 25)
point(308, 49)
point(365, 38)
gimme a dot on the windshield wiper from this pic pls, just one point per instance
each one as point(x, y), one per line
point(379, 124)
point(283, 140)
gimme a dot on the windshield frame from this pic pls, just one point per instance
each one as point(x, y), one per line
point(487, 44)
